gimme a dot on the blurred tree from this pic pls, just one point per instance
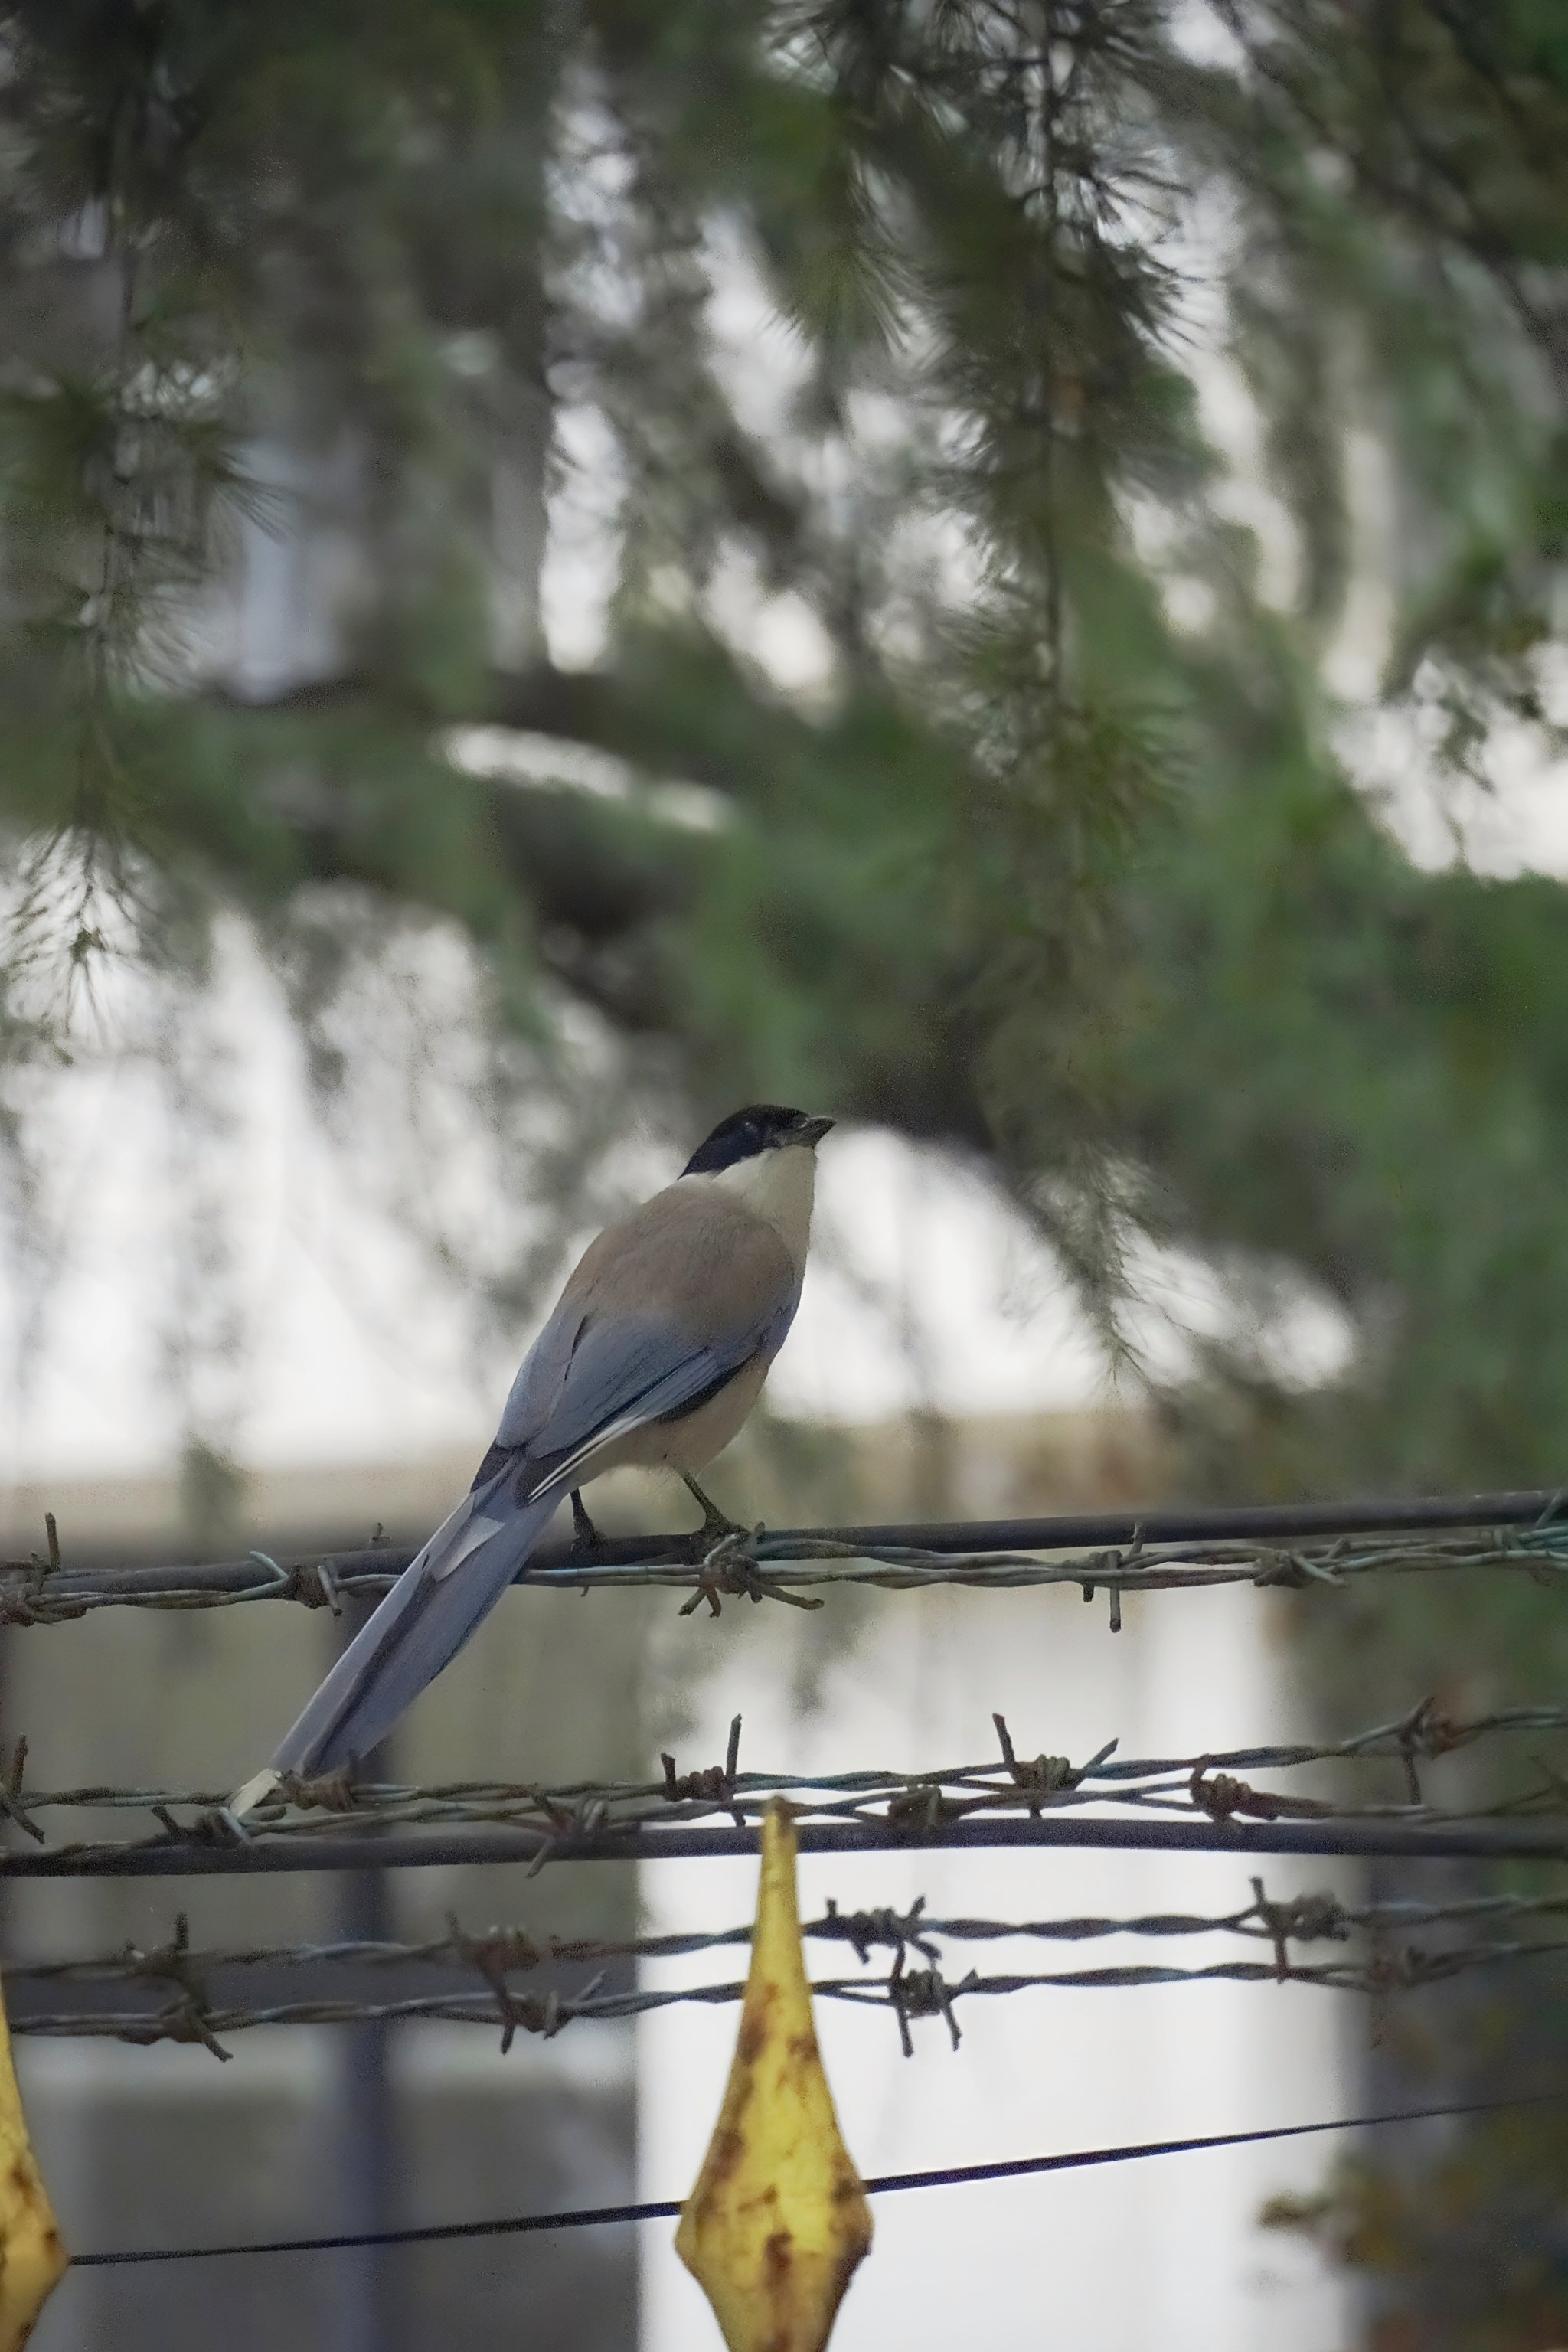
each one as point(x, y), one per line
point(1033, 870)
point(1457, 2230)
point(1055, 862)
point(344, 271)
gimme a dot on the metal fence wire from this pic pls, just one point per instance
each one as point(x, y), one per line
point(1366, 1794)
point(508, 1978)
point(1523, 1532)
point(1392, 1789)
point(1388, 1790)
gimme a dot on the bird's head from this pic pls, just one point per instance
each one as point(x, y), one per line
point(748, 1134)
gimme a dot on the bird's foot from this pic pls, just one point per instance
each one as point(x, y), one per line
point(716, 1524)
point(583, 1532)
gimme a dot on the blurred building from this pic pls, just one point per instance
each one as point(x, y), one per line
point(312, 2130)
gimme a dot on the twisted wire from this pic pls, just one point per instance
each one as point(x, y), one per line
point(479, 1973)
point(1293, 1546)
point(1213, 1799)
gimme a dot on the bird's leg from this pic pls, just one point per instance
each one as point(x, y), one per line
point(715, 1522)
point(583, 1531)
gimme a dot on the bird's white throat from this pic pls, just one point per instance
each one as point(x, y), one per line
point(778, 1186)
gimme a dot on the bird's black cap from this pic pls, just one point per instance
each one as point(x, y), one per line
point(761, 1126)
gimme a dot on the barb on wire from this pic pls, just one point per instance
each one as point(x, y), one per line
point(1361, 1790)
point(172, 1993)
point(1295, 1545)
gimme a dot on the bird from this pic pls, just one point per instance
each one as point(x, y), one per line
point(656, 1353)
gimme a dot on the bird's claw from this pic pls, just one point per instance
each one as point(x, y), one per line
point(716, 1524)
point(584, 1534)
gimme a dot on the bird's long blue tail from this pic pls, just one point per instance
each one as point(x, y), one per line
point(419, 1628)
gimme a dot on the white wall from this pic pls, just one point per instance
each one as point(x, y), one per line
point(1160, 2254)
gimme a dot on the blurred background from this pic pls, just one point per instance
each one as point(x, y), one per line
point(992, 568)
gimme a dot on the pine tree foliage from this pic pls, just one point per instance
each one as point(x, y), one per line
point(1053, 863)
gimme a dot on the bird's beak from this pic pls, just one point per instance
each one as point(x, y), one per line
point(814, 1130)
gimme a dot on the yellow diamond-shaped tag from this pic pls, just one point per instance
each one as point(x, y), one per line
point(32, 2259)
point(778, 2220)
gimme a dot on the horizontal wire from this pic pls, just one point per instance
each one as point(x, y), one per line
point(1434, 1840)
point(884, 2184)
point(1272, 1544)
point(1196, 1803)
point(907, 1998)
point(1311, 1917)
point(195, 2012)
point(1424, 1731)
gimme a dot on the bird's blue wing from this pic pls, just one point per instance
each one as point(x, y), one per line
point(584, 1383)
point(621, 1373)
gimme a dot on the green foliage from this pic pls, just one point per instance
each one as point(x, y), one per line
point(1458, 2243)
point(1032, 837)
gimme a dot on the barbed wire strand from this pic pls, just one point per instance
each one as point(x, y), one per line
point(883, 2184)
point(1307, 1917)
point(194, 2015)
point(1194, 1803)
point(1207, 1778)
point(915, 1994)
point(1291, 1545)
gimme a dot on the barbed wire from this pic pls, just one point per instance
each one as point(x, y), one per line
point(1292, 1546)
point(1158, 1801)
point(1197, 1800)
point(478, 1972)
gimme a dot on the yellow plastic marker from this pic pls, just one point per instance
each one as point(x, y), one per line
point(32, 2259)
point(778, 2220)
